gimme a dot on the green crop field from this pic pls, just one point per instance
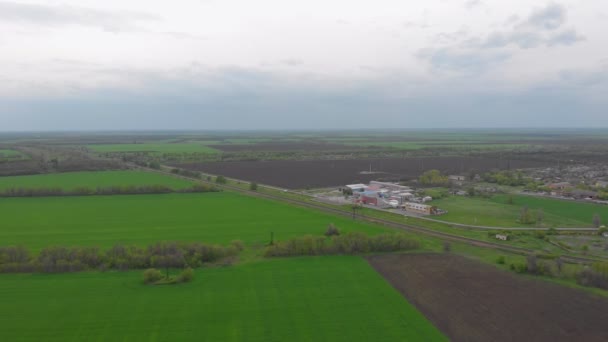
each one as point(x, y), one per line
point(72, 180)
point(11, 154)
point(154, 148)
point(142, 219)
point(299, 299)
point(496, 211)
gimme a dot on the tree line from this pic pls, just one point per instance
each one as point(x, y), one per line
point(347, 244)
point(110, 190)
point(59, 259)
point(595, 275)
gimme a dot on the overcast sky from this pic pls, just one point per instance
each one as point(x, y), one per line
point(283, 64)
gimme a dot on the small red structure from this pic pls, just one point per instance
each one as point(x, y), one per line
point(369, 200)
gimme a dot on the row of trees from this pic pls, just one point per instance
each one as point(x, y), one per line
point(350, 243)
point(110, 190)
point(512, 178)
point(433, 177)
point(120, 257)
point(595, 275)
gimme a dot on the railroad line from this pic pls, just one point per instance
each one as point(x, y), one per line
point(384, 222)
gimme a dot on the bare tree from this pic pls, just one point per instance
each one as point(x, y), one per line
point(597, 221)
point(540, 217)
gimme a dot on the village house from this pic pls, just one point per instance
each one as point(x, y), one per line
point(601, 184)
point(559, 186)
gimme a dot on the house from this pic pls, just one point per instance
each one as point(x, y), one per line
point(502, 237)
point(420, 208)
point(559, 186)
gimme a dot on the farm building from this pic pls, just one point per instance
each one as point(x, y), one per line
point(583, 194)
point(369, 200)
point(457, 178)
point(420, 208)
point(357, 187)
point(502, 237)
point(390, 186)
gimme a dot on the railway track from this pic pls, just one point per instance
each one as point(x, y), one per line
point(384, 222)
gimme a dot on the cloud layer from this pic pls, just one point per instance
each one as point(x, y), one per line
point(279, 65)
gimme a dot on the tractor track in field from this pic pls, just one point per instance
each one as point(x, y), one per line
point(387, 223)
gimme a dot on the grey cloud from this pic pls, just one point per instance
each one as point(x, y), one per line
point(280, 105)
point(567, 37)
point(472, 4)
point(550, 17)
point(69, 15)
point(524, 40)
point(238, 98)
point(462, 60)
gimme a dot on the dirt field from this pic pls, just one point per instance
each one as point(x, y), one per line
point(321, 173)
point(470, 301)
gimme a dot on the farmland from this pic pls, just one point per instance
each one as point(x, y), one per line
point(73, 180)
point(153, 148)
point(470, 301)
point(144, 219)
point(302, 299)
point(497, 212)
point(11, 154)
point(320, 173)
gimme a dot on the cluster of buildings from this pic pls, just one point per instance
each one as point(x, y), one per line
point(566, 189)
point(383, 194)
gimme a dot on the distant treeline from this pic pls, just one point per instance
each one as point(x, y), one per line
point(15, 259)
point(350, 243)
point(111, 190)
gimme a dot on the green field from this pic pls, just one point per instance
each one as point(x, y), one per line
point(496, 211)
point(11, 154)
point(299, 299)
point(72, 180)
point(143, 219)
point(154, 148)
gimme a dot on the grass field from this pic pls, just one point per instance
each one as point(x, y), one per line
point(142, 219)
point(154, 148)
point(11, 154)
point(496, 211)
point(300, 299)
point(72, 180)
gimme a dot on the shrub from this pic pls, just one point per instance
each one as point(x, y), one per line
point(152, 275)
point(253, 186)
point(186, 276)
point(447, 247)
point(238, 245)
point(220, 180)
point(501, 260)
point(332, 230)
point(351, 243)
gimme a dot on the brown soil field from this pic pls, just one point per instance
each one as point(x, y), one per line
point(293, 174)
point(471, 301)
